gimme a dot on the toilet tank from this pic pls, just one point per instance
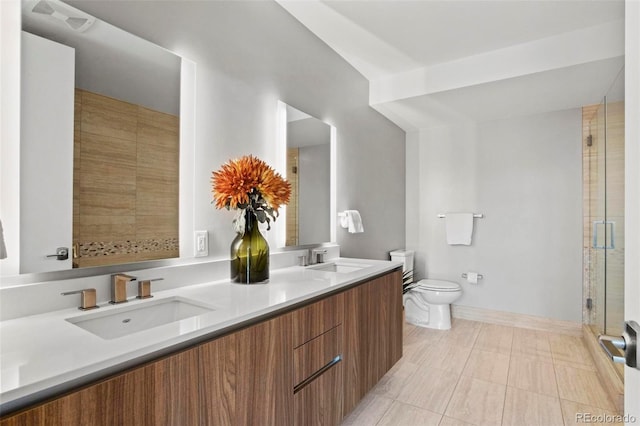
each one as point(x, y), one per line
point(406, 257)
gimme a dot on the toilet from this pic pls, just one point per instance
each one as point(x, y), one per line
point(428, 303)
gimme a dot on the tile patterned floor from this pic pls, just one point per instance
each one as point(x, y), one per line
point(485, 374)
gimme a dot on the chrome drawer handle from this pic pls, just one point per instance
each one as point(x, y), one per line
point(317, 374)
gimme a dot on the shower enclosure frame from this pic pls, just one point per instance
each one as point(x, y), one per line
point(603, 161)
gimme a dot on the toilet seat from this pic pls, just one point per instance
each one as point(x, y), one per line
point(437, 285)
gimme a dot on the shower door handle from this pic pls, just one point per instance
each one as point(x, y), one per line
point(606, 223)
point(628, 342)
point(617, 342)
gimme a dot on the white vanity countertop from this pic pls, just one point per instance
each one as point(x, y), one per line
point(42, 355)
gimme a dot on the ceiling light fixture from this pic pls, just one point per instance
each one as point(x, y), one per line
point(73, 18)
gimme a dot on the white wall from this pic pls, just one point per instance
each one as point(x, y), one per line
point(10, 134)
point(632, 193)
point(249, 55)
point(524, 175)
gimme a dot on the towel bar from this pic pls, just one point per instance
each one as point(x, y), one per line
point(479, 215)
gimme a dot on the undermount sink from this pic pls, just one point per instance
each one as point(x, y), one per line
point(114, 323)
point(339, 267)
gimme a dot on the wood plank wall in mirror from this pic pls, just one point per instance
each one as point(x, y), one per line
point(125, 182)
point(292, 207)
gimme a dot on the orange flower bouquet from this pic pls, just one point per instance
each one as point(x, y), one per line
point(249, 185)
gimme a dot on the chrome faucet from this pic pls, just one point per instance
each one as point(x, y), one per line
point(317, 255)
point(119, 287)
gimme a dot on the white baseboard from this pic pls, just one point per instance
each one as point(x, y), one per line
point(517, 320)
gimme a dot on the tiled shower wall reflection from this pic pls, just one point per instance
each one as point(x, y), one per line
point(125, 198)
point(292, 207)
point(589, 182)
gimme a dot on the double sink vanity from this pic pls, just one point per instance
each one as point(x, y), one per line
point(303, 348)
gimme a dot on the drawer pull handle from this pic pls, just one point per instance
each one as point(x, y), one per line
point(317, 374)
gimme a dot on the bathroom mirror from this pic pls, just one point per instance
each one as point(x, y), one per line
point(126, 145)
point(309, 146)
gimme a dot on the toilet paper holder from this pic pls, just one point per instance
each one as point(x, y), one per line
point(464, 275)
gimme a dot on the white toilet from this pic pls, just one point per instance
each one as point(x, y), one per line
point(428, 304)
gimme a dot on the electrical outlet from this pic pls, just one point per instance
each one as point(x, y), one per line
point(202, 243)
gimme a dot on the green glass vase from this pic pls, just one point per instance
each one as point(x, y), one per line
point(250, 254)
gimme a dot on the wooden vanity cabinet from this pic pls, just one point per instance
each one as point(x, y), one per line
point(367, 335)
point(373, 334)
point(164, 392)
point(320, 402)
point(281, 371)
point(318, 362)
point(246, 376)
point(316, 318)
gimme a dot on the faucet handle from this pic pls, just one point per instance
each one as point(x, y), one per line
point(144, 288)
point(87, 298)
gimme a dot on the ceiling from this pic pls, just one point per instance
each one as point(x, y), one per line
point(433, 63)
point(111, 61)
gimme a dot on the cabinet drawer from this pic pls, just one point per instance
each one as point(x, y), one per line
point(316, 354)
point(320, 403)
point(313, 320)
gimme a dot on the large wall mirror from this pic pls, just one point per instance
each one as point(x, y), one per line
point(100, 143)
point(310, 168)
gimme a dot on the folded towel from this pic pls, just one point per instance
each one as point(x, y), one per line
point(459, 228)
point(354, 221)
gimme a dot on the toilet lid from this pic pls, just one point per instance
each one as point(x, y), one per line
point(438, 285)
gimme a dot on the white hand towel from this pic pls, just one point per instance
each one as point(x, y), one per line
point(354, 221)
point(459, 228)
point(3, 248)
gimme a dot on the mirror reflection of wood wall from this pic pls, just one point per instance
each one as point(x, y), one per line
point(125, 197)
point(292, 207)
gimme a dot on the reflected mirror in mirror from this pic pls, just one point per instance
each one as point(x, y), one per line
point(100, 113)
point(308, 169)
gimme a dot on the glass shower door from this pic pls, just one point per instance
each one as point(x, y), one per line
point(598, 186)
point(614, 208)
point(607, 210)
